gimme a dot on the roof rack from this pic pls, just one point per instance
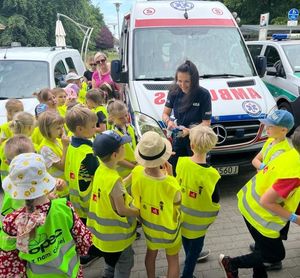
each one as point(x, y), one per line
point(52, 48)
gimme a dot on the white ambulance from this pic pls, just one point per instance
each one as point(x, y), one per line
point(157, 36)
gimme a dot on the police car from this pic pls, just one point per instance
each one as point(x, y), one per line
point(283, 69)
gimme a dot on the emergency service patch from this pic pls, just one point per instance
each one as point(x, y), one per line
point(252, 108)
point(182, 5)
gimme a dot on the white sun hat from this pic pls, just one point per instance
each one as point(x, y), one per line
point(152, 150)
point(28, 178)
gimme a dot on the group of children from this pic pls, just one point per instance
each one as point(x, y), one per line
point(89, 154)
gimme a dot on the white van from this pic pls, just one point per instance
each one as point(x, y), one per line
point(282, 77)
point(157, 36)
point(24, 70)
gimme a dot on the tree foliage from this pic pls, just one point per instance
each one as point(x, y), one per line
point(105, 39)
point(249, 10)
point(32, 22)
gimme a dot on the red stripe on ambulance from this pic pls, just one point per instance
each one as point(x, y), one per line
point(221, 94)
point(184, 22)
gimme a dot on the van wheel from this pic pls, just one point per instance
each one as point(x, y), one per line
point(286, 106)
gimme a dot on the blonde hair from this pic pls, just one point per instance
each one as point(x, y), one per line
point(47, 120)
point(57, 91)
point(98, 54)
point(203, 139)
point(115, 107)
point(79, 115)
point(17, 145)
point(96, 95)
point(20, 121)
point(13, 103)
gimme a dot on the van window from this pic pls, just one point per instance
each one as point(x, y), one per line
point(255, 50)
point(70, 63)
point(20, 79)
point(292, 53)
point(272, 56)
point(214, 50)
point(59, 72)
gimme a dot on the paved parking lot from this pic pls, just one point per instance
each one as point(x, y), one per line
point(227, 235)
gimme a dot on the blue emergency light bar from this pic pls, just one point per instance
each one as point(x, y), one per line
point(280, 37)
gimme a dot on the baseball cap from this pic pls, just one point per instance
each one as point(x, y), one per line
point(108, 142)
point(280, 118)
point(72, 76)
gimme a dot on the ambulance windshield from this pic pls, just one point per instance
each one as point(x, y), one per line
point(292, 53)
point(215, 51)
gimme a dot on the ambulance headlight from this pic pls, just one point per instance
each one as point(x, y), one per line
point(144, 123)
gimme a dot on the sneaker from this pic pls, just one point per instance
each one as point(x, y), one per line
point(87, 260)
point(224, 262)
point(273, 266)
point(252, 247)
point(203, 255)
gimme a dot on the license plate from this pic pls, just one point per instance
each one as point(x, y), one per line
point(228, 171)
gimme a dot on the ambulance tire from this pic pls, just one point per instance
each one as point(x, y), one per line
point(286, 106)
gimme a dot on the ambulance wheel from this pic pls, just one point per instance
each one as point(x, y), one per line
point(286, 106)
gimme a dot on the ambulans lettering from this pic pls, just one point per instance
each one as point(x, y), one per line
point(220, 94)
point(48, 242)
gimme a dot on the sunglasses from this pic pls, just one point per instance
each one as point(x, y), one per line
point(94, 64)
point(100, 61)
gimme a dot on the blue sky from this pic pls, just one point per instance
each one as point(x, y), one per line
point(108, 9)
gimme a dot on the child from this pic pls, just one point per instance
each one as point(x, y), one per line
point(71, 95)
point(54, 146)
point(46, 96)
point(278, 124)
point(157, 195)
point(110, 93)
point(22, 123)
point(118, 114)
point(12, 106)
point(74, 79)
point(200, 198)
point(81, 164)
point(267, 202)
point(48, 233)
point(60, 96)
point(94, 101)
point(37, 136)
point(111, 219)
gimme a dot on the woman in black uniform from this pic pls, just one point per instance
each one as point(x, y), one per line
point(191, 105)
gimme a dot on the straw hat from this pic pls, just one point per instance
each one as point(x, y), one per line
point(28, 178)
point(152, 150)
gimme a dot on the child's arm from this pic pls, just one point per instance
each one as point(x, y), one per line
point(101, 128)
point(61, 164)
point(117, 196)
point(257, 161)
point(127, 164)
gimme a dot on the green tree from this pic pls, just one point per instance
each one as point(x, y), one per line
point(32, 22)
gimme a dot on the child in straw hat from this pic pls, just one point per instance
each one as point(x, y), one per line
point(157, 195)
point(48, 233)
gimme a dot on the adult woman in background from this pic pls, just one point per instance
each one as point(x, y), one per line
point(190, 104)
point(102, 72)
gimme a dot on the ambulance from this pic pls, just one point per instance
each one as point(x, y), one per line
point(157, 36)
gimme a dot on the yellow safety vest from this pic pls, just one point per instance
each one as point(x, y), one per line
point(160, 218)
point(52, 252)
point(37, 136)
point(287, 165)
point(62, 110)
point(270, 152)
point(74, 158)
point(57, 148)
point(129, 150)
point(103, 109)
point(6, 132)
point(111, 232)
point(82, 93)
point(197, 186)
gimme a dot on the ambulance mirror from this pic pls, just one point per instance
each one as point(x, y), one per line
point(261, 65)
point(116, 72)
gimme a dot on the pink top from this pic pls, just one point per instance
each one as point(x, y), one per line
point(101, 78)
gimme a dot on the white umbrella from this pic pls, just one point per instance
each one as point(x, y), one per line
point(60, 34)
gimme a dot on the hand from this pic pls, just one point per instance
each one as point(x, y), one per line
point(52, 195)
point(171, 125)
point(185, 132)
point(168, 168)
point(60, 184)
point(65, 140)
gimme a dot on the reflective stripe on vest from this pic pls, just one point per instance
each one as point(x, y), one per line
point(164, 241)
point(197, 186)
point(82, 198)
point(112, 232)
point(52, 267)
point(160, 228)
point(269, 224)
point(269, 151)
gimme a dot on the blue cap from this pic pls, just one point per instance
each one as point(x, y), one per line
point(108, 142)
point(280, 118)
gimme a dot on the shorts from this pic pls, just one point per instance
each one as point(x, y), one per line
point(172, 250)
